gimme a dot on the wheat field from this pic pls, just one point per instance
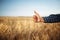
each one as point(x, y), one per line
point(24, 28)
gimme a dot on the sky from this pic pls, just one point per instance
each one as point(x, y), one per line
point(27, 7)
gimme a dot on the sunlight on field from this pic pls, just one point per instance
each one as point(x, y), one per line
point(24, 28)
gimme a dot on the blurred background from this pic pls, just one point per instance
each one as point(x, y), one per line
point(27, 7)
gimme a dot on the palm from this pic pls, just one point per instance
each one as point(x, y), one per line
point(37, 17)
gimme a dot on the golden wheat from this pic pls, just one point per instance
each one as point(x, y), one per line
point(24, 28)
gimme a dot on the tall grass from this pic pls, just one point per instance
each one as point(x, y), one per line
point(24, 28)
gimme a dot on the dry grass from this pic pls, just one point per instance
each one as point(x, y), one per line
point(24, 28)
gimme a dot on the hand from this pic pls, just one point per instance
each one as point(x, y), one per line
point(37, 17)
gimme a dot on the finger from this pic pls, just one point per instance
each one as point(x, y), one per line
point(35, 18)
point(36, 13)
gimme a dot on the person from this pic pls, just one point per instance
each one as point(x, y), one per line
point(53, 18)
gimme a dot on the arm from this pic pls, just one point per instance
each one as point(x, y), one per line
point(51, 19)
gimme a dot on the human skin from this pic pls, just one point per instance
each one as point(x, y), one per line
point(37, 17)
point(53, 18)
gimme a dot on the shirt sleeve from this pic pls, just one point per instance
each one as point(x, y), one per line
point(47, 19)
point(51, 19)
